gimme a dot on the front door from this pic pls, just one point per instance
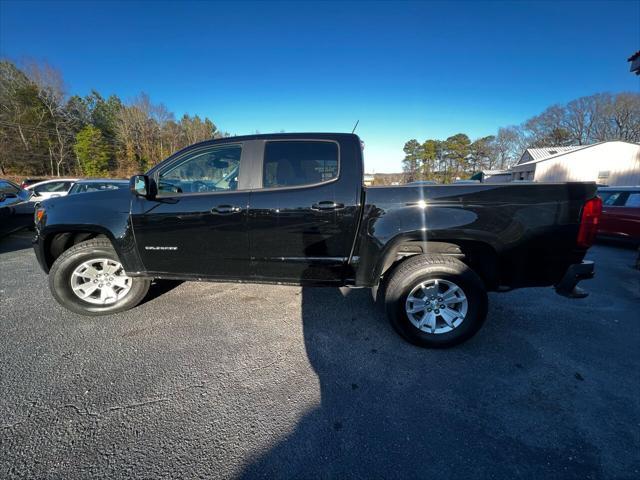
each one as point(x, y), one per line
point(197, 224)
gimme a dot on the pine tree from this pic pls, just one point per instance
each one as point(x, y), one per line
point(92, 151)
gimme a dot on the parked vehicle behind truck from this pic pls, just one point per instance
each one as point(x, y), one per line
point(16, 212)
point(620, 214)
point(292, 209)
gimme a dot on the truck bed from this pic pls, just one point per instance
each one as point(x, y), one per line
point(514, 235)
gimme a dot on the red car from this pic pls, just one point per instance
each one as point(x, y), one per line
point(620, 213)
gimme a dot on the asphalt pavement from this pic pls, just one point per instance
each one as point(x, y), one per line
point(210, 380)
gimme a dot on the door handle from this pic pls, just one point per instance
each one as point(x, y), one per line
point(225, 209)
point(327, 205)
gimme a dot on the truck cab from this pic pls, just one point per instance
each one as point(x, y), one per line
point(280, 210)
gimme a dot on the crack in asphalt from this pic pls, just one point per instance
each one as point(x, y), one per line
point(86, 412)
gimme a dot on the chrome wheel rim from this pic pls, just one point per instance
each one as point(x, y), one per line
point(101, 281)
point(436, 306)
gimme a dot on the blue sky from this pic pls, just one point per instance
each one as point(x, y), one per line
point(405, 70)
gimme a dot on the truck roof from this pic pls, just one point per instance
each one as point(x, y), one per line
point(271, 136)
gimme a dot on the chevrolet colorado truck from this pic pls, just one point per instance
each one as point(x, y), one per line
point(292, 209)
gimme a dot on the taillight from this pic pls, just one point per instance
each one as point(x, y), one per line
point(589, 222)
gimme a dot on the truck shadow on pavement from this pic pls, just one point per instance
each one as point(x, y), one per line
point(391, 410)
point(159, 288)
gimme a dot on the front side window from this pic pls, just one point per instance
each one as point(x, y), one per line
point(211, 169)
point(294, 163)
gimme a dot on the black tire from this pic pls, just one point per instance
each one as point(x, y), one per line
point(421, 268)
point(69, 260)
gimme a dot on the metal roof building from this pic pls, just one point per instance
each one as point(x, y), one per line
point(544, 153)
point(494, 176)
point(609, 163)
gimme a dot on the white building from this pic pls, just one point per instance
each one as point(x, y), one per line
point(496, 176)
point(609, 163)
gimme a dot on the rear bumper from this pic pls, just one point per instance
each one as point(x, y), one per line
point(568, 286)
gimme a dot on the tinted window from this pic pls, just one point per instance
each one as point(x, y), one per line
point(209, 170)
point(289, 164)
point(96, 187)
point(6, 187)
point(633, 200)
point(611, 198)
point(53, 187)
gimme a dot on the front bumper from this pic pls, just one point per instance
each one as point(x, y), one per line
point(568, 286)
point(38, 248)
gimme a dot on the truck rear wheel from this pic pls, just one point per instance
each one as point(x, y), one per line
point(89, 279)
point(435, 301)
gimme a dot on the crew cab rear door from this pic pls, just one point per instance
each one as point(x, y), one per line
point(197, 224)
point(303, 215)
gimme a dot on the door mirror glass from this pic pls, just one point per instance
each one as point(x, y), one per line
point(140, 185)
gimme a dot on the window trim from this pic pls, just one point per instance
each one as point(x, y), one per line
point(262, 188)
point(174, 162)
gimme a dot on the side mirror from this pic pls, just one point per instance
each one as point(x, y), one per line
point(141, 185)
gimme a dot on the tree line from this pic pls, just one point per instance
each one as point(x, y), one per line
point(44, 131)
point(583, 121)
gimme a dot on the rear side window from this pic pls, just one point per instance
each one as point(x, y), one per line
point(295, 163)
point(633, 200)
point(95, 187)
point(612, 198)
point(54, 187)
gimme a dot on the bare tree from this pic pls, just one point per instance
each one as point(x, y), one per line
point(625, 117)
point(508, 146)
point(581, 117)
point(547, 128)
point(23, 131)
point(51, 92)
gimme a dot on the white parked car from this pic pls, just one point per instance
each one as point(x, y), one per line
point(57, 187)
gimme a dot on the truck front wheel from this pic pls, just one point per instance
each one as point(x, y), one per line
point(435, 301)
point(89, 279)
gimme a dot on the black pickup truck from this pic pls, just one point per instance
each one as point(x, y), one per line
point(292, 209)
